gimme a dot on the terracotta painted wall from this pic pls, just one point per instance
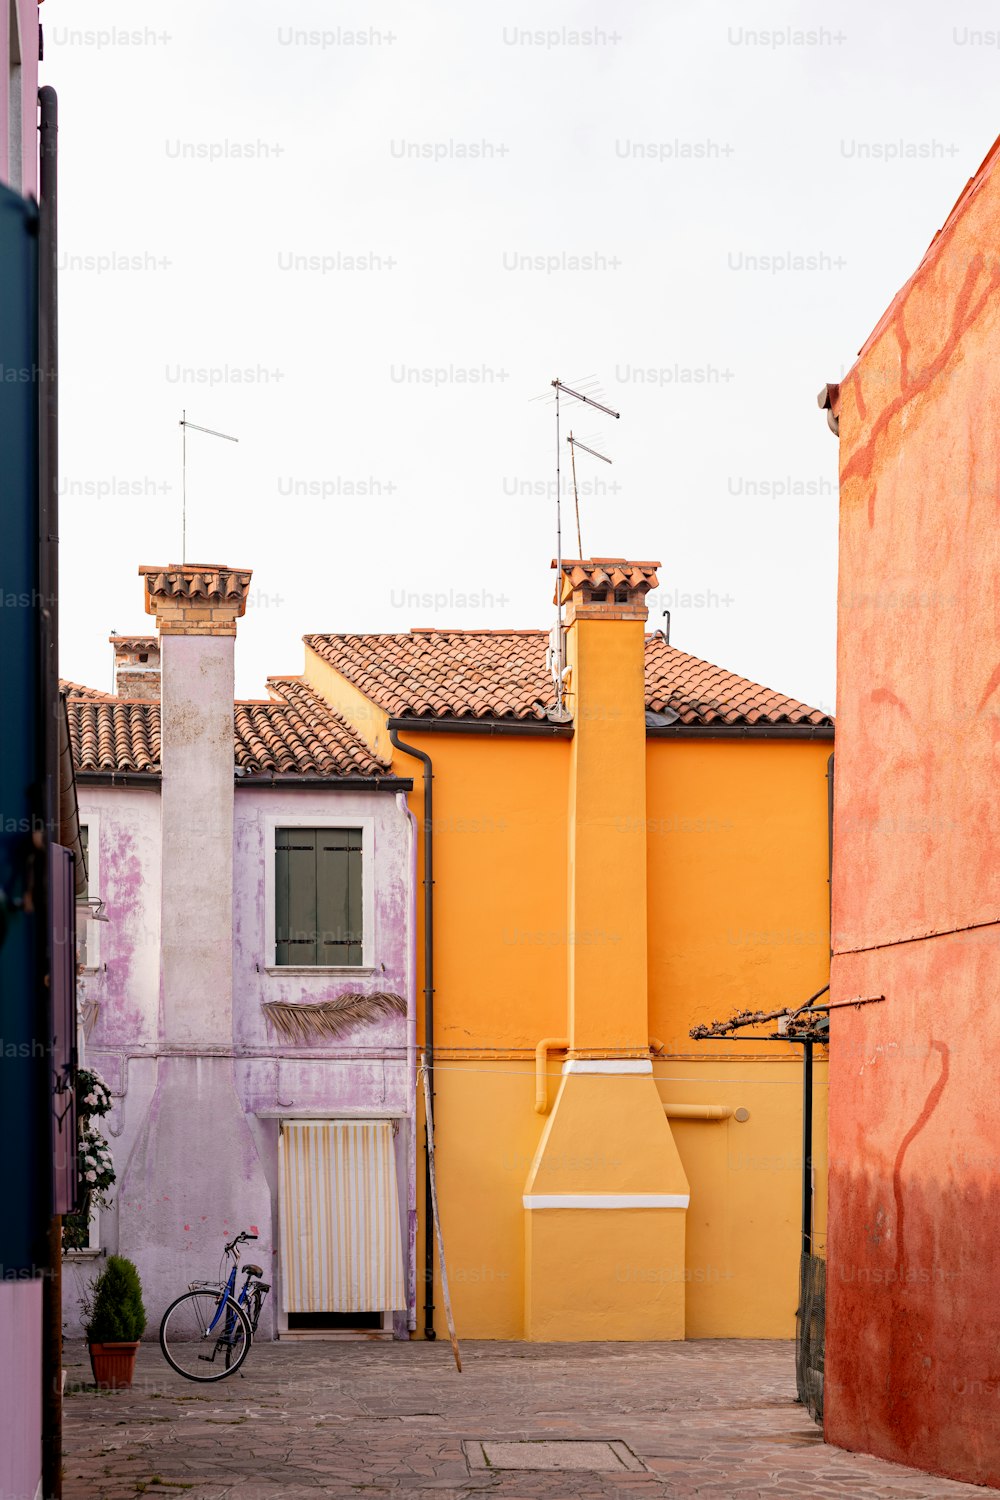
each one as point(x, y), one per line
point(754, 860)
point(914, 1258)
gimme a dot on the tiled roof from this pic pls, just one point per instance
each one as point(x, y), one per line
point(296, 731)
point(700, 693)
point(501, 674)
point(77, 689)
point(479, 674)
point(292, 733)
point(113, 734)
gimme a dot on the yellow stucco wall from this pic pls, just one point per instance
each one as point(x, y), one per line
point(736, 852)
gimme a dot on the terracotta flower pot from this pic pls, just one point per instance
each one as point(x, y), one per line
point(113, 1365)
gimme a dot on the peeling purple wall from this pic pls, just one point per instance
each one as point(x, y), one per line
point(20, 1389)
point(184, 1179)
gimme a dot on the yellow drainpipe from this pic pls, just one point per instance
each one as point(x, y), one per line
point(545, 1046)
point(698, 1111)
point(690, 1111)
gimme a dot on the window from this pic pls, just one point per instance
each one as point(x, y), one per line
point(318, 897)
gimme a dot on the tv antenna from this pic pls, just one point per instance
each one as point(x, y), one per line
point(184, 425)
point(575, 443)
point(559, 712)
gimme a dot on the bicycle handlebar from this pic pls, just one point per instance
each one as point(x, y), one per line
point(243, 1235)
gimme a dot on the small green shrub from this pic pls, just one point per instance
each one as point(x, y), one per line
point(115, 1313)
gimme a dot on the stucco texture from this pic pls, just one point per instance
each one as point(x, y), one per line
point(914, 1207)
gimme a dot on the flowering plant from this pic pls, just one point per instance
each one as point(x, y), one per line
point(95, 1168)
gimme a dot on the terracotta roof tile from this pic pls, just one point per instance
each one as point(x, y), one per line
point(113, 734)
point(297, 732)
point(700, 693)
point(607, 573)
point(479, 674)
point(294, 732)
point(501, 674)
point(196, 581)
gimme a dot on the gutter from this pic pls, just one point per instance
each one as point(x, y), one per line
point(741, 732)
point(284, 780)
point(280, 782)
point(522, 728)
point(424, 758)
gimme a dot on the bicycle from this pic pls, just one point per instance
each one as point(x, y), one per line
point(210, 1323)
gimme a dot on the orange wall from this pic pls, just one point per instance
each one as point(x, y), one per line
point(736, 844)
point(737, 868)
point(914, 1255)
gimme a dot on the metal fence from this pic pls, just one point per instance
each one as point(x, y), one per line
point(810, 1334)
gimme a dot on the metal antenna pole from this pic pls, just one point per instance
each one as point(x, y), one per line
point(185, 424)
point(184, 485)
point(558, 711)
point(576, 495)
point(559, 611)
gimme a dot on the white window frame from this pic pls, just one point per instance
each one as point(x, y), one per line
point(274, 821)
point(92, 822)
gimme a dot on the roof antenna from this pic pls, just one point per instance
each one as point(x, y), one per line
point(559, 713)
point(185, 424)
point(575, 443)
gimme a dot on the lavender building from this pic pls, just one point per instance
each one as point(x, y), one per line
point(249, 998)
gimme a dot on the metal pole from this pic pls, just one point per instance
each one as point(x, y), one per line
point(184, 485)
point(559, 612)
point(807, 1145)
point(576, 497)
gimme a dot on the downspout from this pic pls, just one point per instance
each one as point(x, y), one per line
point(411, 1064)
point(422, 756)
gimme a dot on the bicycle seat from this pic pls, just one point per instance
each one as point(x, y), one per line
point(253, 1270)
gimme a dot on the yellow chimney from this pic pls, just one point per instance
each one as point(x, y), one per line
point(606, 1197)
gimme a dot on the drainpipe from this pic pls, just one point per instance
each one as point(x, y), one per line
point(411, 1062)
point(422, 756)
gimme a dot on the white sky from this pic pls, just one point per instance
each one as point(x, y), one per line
point(465, 470)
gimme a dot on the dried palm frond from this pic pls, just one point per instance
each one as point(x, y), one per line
point(330, 1018)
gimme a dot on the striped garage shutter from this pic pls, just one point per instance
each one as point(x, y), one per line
point(341, 1247)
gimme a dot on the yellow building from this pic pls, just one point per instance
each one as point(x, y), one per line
point(606, 876)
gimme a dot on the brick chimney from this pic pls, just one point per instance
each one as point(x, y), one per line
point(606, 1188)
point(195, 1136)
point(196, 608)
point(137, 666)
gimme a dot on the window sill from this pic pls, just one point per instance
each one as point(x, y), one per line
point(356, 969)
point(84, 1254)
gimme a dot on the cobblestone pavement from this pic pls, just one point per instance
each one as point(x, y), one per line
point(364, 1419)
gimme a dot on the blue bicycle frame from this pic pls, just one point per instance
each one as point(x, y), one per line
point(229, 1290)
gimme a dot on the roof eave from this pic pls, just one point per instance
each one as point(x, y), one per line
point(520, 728)
point(741, 732)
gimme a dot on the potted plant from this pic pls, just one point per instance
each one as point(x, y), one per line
point(95, 1169)
point(115, 1320)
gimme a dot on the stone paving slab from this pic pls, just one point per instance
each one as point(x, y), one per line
point(705, 1418)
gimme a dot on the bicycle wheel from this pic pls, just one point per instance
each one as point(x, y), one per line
point(202, 1340)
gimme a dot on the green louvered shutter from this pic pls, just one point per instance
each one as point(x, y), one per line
point(338, 883)
point(318, 901)
point(295, 896)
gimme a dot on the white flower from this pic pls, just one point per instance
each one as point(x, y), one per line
point(90, 1176)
